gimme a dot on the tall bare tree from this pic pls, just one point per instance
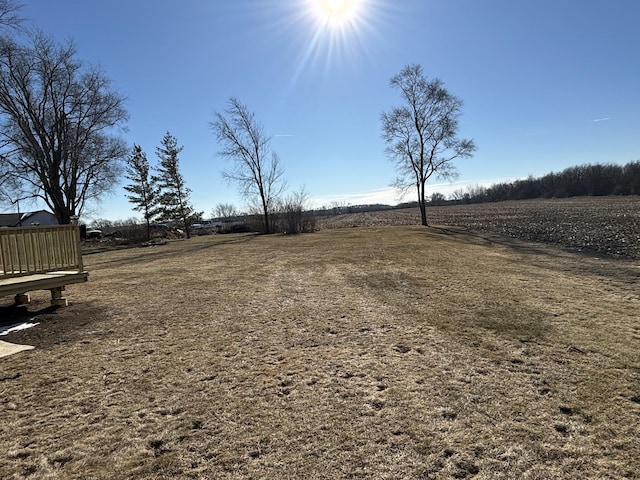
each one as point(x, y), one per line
point(59, 121)
point(10, 22)
point(421, 134)
point(256, 169)
point(143, 192)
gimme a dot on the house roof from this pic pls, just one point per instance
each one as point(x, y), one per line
point(9, 219)
point(14, 219)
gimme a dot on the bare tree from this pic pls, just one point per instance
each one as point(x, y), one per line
point(225, 211)
point(143, 192)
point(257, 169)
point(457, 195)
point(10, 193)
point(294, 214)
point(421, 134)
point(59, 120)
point(10, 190)
point(9, 16)
point(438, 198)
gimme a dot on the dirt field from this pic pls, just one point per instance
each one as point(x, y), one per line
point(604, 225)
point(380, 352)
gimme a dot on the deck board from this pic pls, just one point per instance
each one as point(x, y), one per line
point(40, 281)
point(40, 258)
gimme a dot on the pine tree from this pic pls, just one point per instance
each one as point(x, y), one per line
point(174, 200)
point(143, 190)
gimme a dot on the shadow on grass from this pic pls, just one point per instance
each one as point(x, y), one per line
point(184, 246)
point(490, 239)
point(12, 314)
point(562, 257)
point(55, 325)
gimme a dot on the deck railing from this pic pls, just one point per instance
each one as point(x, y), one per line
point(31, 250)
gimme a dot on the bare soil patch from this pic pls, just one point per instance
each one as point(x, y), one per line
point(603, 225)
point(378, 353)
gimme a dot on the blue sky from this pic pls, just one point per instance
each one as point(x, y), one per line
point(546, 84)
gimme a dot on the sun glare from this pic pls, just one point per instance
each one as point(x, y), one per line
point(336, 13)
point(338, 34)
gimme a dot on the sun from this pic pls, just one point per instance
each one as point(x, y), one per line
point(337, 33)
point(336, 13)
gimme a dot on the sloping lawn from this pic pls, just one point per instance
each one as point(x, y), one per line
point(376, 353)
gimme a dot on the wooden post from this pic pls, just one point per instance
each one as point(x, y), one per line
point(22, 299)
point(57, 300)
point(74, 221)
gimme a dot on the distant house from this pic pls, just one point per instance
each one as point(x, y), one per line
point(28, 219)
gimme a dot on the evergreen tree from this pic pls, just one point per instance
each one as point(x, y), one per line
point(174, 203)
point(143, 191)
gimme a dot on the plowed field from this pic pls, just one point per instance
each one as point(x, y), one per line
point(603, 225)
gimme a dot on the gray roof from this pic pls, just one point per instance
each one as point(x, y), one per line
point(13, 219)
point(9, 219)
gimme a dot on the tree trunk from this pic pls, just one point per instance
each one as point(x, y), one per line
point(267, 226)
point(185, 222)
point(423, 213)
point(265, 209)
point(58, 208)
point(62, 215)
point(423, 204)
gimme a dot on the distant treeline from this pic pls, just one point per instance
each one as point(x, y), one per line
point(342, 209)
point(580, 181)
point(583, 180)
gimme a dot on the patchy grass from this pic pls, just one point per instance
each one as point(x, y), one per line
point(381, 353)
point(603, 225)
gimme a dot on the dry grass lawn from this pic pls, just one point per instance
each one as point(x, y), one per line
point(376, 353)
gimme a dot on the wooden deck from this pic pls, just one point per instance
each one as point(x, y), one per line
point(40, 258)
point(40, 281)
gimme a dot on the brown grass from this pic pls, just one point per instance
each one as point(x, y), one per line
point(602, 225)
point(382, 353)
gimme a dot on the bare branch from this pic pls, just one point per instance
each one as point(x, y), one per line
point(421, 134)
point(256, 169)
point(9, 16)
point(57, 118)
